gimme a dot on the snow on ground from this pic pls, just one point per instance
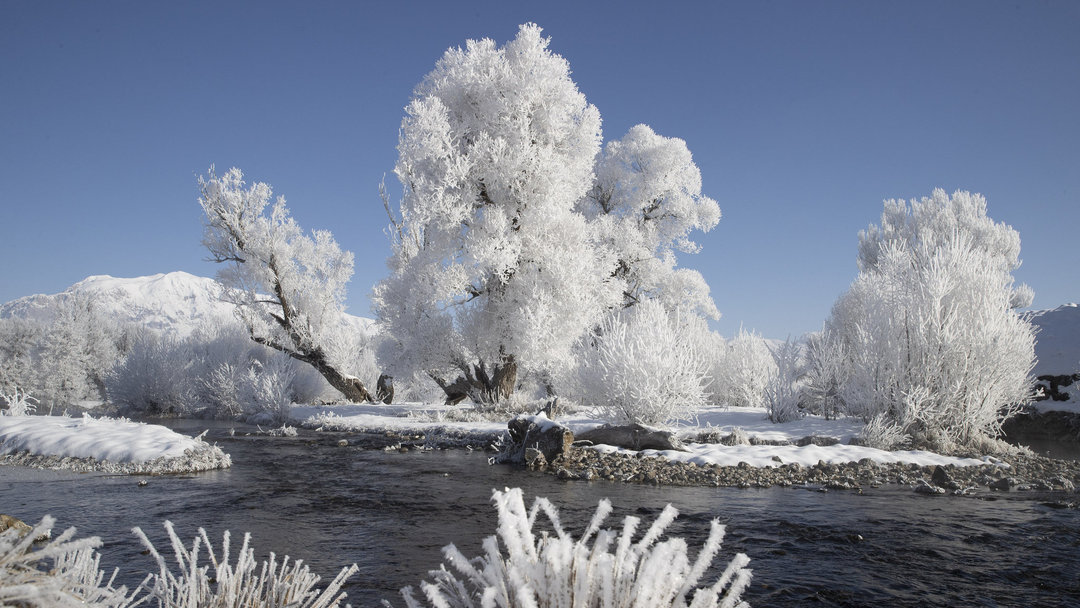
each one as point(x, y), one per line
point(807, 456)
point(413, 417)
point(1057, 347)
point(109, 444)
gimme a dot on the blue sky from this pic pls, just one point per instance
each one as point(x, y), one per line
point(803, 117)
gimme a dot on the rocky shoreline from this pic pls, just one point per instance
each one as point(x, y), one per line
point(1015, 473)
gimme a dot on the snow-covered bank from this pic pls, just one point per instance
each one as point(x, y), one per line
point(806, 455)
point(751, 423)
point(104, 444)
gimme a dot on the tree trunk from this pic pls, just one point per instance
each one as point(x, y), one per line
point(484, 389)
point(384, 389)
point(350, 386)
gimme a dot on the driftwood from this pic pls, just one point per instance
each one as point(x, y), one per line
point(632, 437)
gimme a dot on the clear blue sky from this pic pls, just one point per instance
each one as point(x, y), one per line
point(803, 117)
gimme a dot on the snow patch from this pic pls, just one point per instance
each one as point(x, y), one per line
point(104, 440)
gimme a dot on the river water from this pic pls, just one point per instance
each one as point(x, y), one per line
point(391, 512)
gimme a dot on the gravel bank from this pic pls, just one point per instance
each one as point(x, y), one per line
point(1017, 473)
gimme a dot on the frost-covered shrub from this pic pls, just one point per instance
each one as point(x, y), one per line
point(782, 388)
point(269, 584)
point(825, 373)
point(18, 401)
point(62, 573)
point(602, 568)
point(62, 355)
point(643, 366)
point(747, 364)
point(930, 338)
point(156, 377)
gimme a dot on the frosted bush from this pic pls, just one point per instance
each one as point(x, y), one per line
point(62, 573)
point(269, 584)
point(824, 375)
point(782, 387)
point(19, 402)
point(603, 568)
point(930, 337)
point(740, 379)
point(271, 383)
point(156, 377)
point(643, 366)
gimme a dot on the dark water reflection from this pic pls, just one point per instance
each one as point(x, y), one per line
point(391, 513)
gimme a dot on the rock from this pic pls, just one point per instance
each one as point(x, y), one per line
point(925, 487)
point(1005, 484)
point(535, 459)
point(8, 522)
point(817, 440)
point(633, 437)
point(940, 477)
point(538, 433)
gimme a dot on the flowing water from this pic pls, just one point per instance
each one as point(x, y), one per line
point(391, 512)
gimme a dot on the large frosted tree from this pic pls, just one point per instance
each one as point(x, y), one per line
point(288, 287)
point(932, 344)
point(493, 270)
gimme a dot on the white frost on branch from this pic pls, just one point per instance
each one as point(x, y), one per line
point(603, 568)
point(492, 268)
point(288, 287)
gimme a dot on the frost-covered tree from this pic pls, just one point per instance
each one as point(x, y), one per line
point(289, 288)
point(782, 390)
point(938, 221)
point(63, 355)
point(644, 204)
point(743, 371)
point(493, 271)
point(824, 373)
point(644, 366)
point(933, 347)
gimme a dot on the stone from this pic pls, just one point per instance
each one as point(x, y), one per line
point(925, 487)
point(1005, 484)
point(535, 459)
point(8, 522)
point(633, 437)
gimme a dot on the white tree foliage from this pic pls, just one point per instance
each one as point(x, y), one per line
point(63, 357)
point(492, 267)
point(603, 568)
point(289, 288)
point(932, 342)
point(643, 366)
point(744, 370)
point(645, 203)
point(782, 389)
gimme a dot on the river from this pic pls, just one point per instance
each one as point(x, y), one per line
point(391, 512)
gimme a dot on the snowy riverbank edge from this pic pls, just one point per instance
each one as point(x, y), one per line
point(777, 460)
point(104, 445)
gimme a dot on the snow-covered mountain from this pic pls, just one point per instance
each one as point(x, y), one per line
point(174, 303)
point(1057, 343)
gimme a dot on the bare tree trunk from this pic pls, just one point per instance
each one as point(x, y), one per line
point(485, 389)
point(349, 386)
